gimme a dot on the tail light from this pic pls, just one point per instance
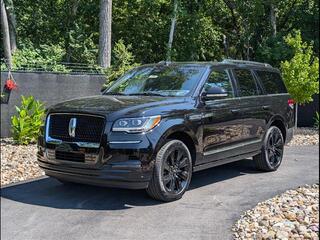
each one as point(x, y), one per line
point(291, 103)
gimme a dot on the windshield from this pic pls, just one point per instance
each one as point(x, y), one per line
point(172, 80)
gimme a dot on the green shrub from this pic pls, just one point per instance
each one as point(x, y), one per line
point(123, 61)
point(45, 57)
point(25, 126)
point(316, 120)
point(301, 73)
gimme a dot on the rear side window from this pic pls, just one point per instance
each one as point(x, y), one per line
point(272, 82)
point(246, 83)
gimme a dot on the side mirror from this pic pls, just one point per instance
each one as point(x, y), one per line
point(214, 93)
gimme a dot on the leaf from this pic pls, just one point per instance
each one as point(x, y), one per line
point(26, 126)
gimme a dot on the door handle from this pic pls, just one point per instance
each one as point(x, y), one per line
point(265, 107)
point(235, 111)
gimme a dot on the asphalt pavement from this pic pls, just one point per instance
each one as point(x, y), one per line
point(45, 209)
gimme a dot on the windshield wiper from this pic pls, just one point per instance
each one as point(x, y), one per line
point(148, 94)
point(114, 93)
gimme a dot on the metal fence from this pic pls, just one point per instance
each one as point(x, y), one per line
point(55, 67)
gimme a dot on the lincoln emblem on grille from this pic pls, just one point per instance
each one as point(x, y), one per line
point(72, 127)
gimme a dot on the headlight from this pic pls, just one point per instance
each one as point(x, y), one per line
point(136, 125)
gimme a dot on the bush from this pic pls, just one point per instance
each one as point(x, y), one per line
point(46, 57)
point(301, 73)
point(28, 121)
point(123, 61)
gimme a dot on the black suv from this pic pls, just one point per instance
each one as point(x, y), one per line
point(159, 123)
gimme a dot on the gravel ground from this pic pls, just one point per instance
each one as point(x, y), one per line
point(18, 162)
point(291, 215)
point(305, 136)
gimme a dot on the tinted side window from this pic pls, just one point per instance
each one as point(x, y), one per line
point(219, 78)
point(246, 82)
point(272, 82)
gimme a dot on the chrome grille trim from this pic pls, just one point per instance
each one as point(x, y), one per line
point(51, 140)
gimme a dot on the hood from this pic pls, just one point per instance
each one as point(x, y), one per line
point(124, 105)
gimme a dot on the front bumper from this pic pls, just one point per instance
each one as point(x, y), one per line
point(116, 168)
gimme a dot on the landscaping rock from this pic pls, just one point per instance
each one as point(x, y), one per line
point(292, 215)
point(18, 162)
point(305, 136)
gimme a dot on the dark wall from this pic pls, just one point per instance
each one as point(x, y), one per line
point(307, 112)
point(50, 88)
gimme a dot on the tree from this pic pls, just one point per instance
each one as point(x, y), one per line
point(172, 28)
point(6, 35)
point(105, 20)
point(273, 19)
point(123, 61)
point(12, 24)
point(301, 73)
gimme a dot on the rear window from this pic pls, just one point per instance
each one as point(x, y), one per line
point(272, 82)
point(246, 82)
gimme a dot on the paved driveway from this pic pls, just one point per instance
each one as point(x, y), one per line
point(45, 209)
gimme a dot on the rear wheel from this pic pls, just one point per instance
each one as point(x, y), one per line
point(172, 172)
point(271, 154)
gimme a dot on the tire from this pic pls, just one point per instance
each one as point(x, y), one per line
point(172, 172)
point(271, 154)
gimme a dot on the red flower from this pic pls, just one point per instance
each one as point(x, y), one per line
point(10, 84)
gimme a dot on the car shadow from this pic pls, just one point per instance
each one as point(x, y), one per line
point(51, 193)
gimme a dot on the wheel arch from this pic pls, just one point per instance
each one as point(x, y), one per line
point(183, 134)
point(278, 122)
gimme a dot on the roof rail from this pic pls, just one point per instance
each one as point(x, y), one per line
point(246, 62)
point(165, 62)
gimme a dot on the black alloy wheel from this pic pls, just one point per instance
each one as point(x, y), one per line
point(176, 170)
point(272, 150)
point(172, 172)
point(274, 147)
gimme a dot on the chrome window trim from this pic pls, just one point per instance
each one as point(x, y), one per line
point(247, 97)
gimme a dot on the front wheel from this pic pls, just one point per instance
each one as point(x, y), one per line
point(172, 172)
point(271, 154)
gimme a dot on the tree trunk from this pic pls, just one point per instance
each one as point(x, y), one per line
point(105, 20)
point(12, 24)
point(296, 116)
point(273, 19)
point(6, 36)
point(172, 28)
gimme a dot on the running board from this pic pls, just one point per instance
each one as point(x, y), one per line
point(224, 161)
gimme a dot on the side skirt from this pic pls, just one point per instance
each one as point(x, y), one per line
point(225, 161)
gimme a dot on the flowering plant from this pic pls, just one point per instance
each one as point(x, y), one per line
point(10, 84)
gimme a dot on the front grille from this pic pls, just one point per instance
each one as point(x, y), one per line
point(88, 128)
point(70, 156)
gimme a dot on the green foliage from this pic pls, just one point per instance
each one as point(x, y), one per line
point(301, 73)
point(316, 120)
point(123, 61)
point(82, 48)
point(73, 25)
point(273, 50)
point(26, 124)
point(43, 58)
